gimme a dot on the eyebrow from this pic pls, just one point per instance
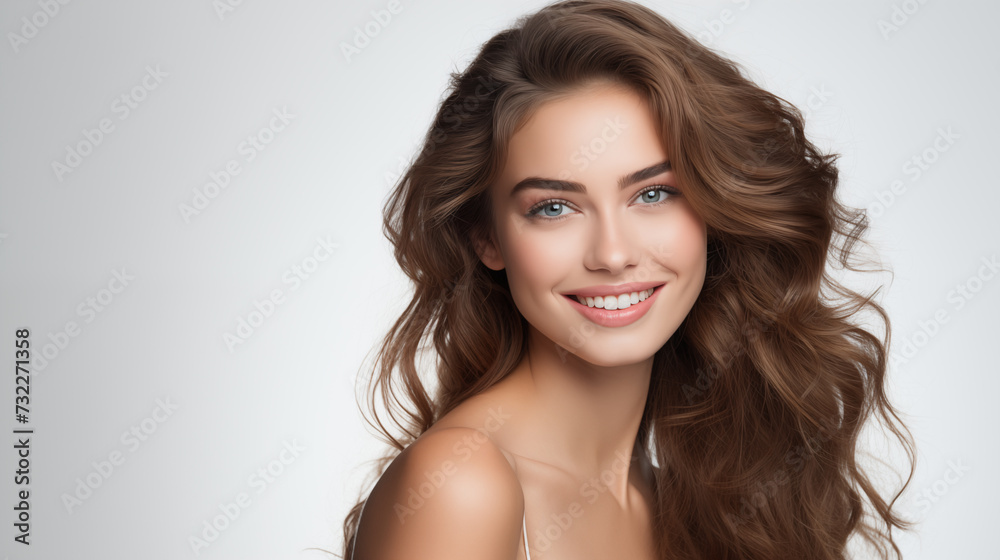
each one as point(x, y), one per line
point(573, 186)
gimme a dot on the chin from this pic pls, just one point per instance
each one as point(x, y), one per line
point(612, 358)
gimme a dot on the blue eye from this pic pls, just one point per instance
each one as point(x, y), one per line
point(651, 196)
point(548, 208)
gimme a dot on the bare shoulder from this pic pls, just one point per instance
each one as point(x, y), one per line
point(450, 495)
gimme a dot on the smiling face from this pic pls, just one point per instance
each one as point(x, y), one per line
point(587, 204)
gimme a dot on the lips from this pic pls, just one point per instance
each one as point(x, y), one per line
point(618, 317)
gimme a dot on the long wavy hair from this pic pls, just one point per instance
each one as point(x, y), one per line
point(756, 403)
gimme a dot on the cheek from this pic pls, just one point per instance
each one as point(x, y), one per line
point(537, 259)
point(692, 238)
point(681, 243)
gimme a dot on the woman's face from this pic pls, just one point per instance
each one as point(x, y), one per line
point(587, 205)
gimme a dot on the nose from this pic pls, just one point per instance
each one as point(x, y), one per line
point(614, 245)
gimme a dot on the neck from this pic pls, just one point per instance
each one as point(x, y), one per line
point(585, 417)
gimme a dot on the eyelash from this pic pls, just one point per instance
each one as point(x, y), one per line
point(532, 212)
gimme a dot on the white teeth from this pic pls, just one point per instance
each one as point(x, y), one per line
point(612, 303)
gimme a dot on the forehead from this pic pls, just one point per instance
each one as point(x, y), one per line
point(604, 128)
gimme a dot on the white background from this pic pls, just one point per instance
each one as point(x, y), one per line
point(878, 99)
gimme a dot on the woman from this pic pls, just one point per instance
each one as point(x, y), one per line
point(618, 245)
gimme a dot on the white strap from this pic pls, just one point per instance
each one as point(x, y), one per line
point(524, 530)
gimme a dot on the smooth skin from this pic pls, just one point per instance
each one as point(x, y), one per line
point(553, 440)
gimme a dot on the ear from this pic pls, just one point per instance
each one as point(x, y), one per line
point(488, 251)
